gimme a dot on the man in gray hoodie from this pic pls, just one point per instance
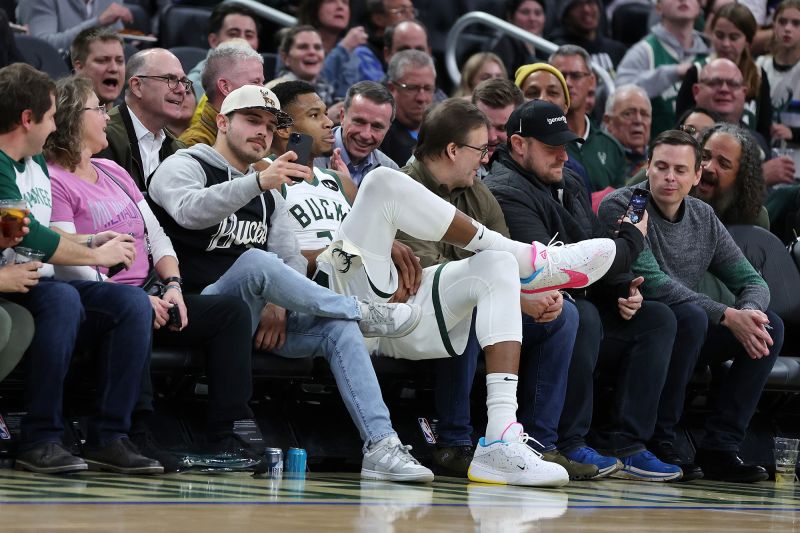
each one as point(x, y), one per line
point(230, 225)
point(659, 62)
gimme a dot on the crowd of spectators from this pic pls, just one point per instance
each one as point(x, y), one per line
point(402, 233)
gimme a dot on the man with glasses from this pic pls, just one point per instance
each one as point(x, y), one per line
point(412, 81)
point(138, 139)
point(628, 117)
point(600, 154)
point(720, 88)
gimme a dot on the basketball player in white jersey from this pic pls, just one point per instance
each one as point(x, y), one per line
point(358, 262)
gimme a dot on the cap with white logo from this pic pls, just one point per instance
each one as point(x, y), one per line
point(543, 121)
point(255, 97)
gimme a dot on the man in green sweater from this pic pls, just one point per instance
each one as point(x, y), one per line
point(685, 239)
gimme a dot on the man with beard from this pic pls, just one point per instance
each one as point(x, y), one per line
point(733, 185)
point(138, 139)
point(325, 199)
point(230, 225)
point(685, 240)
point(731, 181)
point(97, 53)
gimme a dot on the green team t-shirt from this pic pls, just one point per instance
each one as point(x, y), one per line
point(28, 179)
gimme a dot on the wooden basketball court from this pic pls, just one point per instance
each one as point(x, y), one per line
point(234, 502)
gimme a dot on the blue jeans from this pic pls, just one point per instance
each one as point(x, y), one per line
point(544, 361)
point(319, 323)
point(736, 398)
point(117, 322)
point(543, 372)
point(638, 352)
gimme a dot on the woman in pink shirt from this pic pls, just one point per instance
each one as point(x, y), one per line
point(91, 196)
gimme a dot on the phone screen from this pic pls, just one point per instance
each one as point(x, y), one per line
point(637, 205)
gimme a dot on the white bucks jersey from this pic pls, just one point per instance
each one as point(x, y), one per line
point(316, 209)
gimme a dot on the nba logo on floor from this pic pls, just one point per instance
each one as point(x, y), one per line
point(430, 438)
point(4, 433)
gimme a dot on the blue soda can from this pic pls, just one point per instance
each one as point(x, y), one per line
point(296, 461)
point(273, 457)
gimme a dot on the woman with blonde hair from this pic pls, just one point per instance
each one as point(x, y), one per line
point(479, 67)
point(93, 195)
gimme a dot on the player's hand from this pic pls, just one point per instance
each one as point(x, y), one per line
point(408, 267)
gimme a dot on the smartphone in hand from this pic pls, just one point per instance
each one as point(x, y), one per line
point(300, 143)
point(637, 205)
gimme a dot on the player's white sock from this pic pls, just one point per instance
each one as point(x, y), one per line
point(501, 404)
point(486, 239)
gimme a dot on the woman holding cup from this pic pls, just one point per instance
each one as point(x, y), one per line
point(91, 196)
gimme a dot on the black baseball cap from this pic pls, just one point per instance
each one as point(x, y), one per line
point(543, 121)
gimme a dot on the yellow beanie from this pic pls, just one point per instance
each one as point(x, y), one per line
point(526, 70)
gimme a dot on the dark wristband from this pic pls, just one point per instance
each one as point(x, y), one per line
point(173, 279)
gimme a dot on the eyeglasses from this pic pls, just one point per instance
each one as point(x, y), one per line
point(100, 109)
point(576, 75)
point(172, 81)
point(484, 150)
point(405, 10)
point(688, 128)
point(414, 89)
point(717, 83)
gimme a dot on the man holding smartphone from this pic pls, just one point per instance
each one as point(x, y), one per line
point(618, 332)
point(229, 223)
point(685, 240)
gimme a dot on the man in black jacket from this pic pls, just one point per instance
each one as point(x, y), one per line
point(631, 338)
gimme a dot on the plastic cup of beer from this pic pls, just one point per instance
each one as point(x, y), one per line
point(26, 255)
point(11, 214)
point(786, 451)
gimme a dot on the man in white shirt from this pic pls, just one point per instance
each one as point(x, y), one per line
point(137, 136)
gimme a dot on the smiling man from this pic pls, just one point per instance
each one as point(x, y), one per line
point(137, 136)
point(367, 114)
point(97, 53)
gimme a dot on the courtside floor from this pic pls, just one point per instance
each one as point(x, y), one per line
point(236, 502)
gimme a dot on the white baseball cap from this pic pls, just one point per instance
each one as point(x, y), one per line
point(255, 97)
